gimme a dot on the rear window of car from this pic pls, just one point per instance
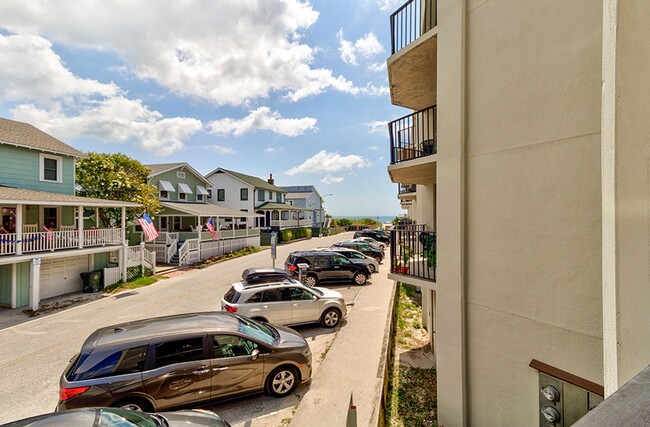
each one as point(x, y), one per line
point(100, 365)
point(232, 296)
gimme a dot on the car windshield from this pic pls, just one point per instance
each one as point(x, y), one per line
point(256, 330)
point(121, 418)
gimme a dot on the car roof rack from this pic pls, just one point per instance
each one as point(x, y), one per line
point(266, 274)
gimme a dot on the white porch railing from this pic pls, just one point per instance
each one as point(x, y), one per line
point(55, 240)
point(139, 255)
point(189, 252)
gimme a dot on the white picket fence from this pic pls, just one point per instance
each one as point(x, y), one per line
point(112, 275)
point(220, 247)
point(135, 256)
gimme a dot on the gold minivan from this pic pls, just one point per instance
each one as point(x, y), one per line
point(183, 360)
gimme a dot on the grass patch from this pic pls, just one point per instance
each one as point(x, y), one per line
point(411, 396)
point(225, 257)
point(137, 283)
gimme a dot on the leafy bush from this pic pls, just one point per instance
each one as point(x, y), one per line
point(343, 222)
point(287, 235)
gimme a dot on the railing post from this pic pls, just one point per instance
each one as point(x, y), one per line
point(19, 229)
point(80, 225)
point(142, 259)
point(123, 261)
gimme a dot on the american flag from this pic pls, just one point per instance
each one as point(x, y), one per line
point(210, 226)
point(150, 232)
point(49, 232)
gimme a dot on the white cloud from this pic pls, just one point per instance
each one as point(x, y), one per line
point(377, 126)
point(329, 179)
point(373, 148)
point(273, 149)
point(377, 67)
point(367, 47)
point(222, 150)
point(371, 89)
point(225, 52)
point(386, 5)
point(51, 97)
point(263, 119)
point(324, 161)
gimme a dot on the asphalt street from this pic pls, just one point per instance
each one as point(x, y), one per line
point(34, 354)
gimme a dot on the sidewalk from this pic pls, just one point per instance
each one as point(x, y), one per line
point(354, 364)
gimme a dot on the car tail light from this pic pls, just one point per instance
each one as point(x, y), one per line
point(292, 268)
point(231, 309)
point(67, 393)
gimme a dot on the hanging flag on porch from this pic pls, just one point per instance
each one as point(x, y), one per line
point(210, 227)
point(49, 232)
point(149, 230)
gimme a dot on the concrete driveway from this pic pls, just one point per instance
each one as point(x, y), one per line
point(34, 354)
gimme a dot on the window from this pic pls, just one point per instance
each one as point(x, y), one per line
point(278, 197)
point(199, 198)
point(270, 195)
point(182, 196)
point(50, 217)
point(339, 260)
point(122, 362)
point(260, 195)
point(221, 195)
point(255, 298)
point(180, 174)
point(291, 202)
point(243, 194)
point(186, 350)
point(299, 294)
point(210, 193)
point(163, 223)
point(232, 346)
point(50, 168)
point(164, 195)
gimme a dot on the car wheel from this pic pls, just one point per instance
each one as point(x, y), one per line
point(371, 267)
point(330, 318)
point(282, 381)
point(134, 404)
point(360, 278)
point(310, 280)
point(378, 259)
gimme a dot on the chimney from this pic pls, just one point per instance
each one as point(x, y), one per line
point(270, 180)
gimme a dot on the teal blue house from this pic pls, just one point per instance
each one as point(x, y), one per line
point(48, 235)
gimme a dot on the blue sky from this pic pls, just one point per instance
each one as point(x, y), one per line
point(293, 88)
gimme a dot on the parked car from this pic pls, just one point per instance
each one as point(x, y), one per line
point(378, 235)
point(114, 417)
point(186, 359)
point(371, 241)
point(269, 295)
point(324, 266)
point(354, 256)
point(362, 247)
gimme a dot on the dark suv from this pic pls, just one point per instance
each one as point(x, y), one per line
point(364, 248)
point(378, 235)
point(188, 359)
point(325, 267)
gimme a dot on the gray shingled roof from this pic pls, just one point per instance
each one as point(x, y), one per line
point(25, 135)
point(253, 180)
point(297, 195)
point(10, 195)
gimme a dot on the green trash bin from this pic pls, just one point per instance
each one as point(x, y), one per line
point(92, 281)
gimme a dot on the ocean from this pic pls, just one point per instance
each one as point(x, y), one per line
point(380, 218)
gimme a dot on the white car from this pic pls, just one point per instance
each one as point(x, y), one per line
point(354, 256)
point(372, 242)
point(269, 295)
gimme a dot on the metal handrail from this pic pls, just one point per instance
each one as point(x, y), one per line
point(405, 188)
point(413, 135)
point(412, 20)
point(413, 253)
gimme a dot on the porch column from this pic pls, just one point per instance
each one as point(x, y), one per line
point(35, 283)
point(96, 217)
point(19, 229)
point(124, 225)
point(279, 219)
point(13, 295)
point(80, 225)
point(123, 259)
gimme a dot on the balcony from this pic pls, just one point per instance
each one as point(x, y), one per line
point(47, 241)
point(406, 191)
point(412, 67)
point(413, 256)
point(413, 147)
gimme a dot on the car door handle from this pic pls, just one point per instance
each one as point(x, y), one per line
point(296, 304)
point(203, 370)
point(220, 368)
point(336, 267)
point(265, 306)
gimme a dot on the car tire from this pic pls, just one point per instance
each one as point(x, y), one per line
point(378, 259)
point(360, 278)
point(135, 404)
point(310, 280)
point(282, 381)
point(330, 318)
point(372, 269)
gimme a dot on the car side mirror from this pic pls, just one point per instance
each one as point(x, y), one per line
point(255, 354)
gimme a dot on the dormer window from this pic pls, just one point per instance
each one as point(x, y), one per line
point(201, 193)
point(182, 196)
point(183, 191)
point(165, 187)
point(50, 170)
point(164, 195)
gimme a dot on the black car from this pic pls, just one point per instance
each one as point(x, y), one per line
point(378, 235)
point(325, 267)
point(364, 248)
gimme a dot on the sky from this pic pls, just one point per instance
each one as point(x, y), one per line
point(292, 88)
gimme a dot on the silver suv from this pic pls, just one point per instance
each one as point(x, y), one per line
point(269, 295)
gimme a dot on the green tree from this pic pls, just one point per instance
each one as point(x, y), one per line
point(370, 221)
point(117, 177)
point(343, 222)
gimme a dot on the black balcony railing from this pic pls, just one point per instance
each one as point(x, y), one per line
point(413, 19)
point(413, 253)
point(413, 136)
point(405, 188)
